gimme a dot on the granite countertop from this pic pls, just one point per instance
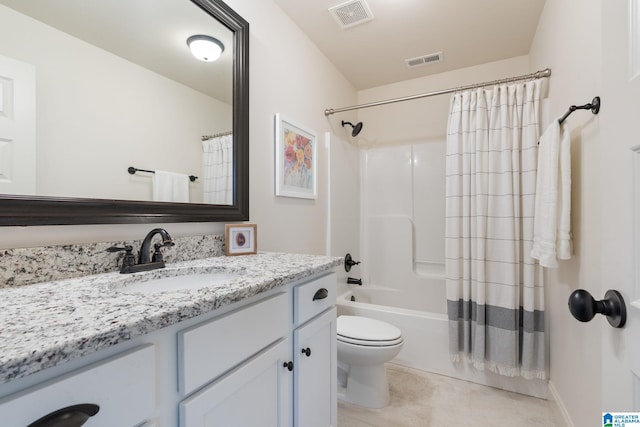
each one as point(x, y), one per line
point(45, 324)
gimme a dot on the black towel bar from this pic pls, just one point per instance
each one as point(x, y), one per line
point(133, 170)
point(594, 106)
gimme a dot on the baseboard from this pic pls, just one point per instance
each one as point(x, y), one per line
point(560, 403)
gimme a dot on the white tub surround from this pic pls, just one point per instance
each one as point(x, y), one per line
point(47, 324)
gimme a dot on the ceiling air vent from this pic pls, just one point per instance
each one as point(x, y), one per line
point(423, 60)
point(351, 13)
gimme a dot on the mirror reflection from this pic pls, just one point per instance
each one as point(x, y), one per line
point(90, 90)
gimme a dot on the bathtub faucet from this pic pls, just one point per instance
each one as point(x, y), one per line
point(353, 281)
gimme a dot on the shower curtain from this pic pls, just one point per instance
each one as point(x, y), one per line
point(218, 167)
point(495, 296)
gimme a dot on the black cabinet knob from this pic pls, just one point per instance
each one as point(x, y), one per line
point(288, 365)
point(584, 307)
point(306, 351)
point(71, 416)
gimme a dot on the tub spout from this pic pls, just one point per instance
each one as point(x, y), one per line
point(353, 281)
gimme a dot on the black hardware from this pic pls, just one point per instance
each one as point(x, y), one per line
point(288, 365)
point(306, 351)
point(349, 262)
point(354, 281)
point(127, 248)
point(356, 128)
point(71, 416)
point(137, 268)
point(133, 170)
point(321, 293)
point(594, 106)
point(157, 254)
point(352, 298)
point(145, 248)
point(128, 261)
point(584, 308)
point(146, 261)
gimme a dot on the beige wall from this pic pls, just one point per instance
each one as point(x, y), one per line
point(287, 75)
point(568, 40)
point(424, 119)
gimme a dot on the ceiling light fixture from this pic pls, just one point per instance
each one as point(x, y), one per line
point(205, 48)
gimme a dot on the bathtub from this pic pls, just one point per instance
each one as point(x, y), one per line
point(426, 337)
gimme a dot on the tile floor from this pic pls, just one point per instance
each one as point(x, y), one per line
point(422, 399)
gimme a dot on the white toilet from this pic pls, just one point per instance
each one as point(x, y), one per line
point(364, 345)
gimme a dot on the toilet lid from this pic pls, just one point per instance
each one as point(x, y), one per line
point(365, 329)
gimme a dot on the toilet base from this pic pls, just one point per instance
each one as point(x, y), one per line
point(366, 386)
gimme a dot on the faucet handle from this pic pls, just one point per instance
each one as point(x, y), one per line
point(349, 262)
point(157, 255)
point(128, 261)
point(127, 248)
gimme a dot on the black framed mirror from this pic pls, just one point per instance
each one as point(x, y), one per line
point(24, 210)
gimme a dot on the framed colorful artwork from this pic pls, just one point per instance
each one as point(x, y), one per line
point(296, 159)
point(240, 239)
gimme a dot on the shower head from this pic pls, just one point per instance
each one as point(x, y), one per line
point(356, 128)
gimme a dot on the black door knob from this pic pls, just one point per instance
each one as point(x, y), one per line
point(584, 307)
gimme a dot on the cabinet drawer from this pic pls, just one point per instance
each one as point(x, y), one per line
point(310, 299)
point(123, 387)
point(208, 350)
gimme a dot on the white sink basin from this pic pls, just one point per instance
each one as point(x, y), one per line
point(181, 282)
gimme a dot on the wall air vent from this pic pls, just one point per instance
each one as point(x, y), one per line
point(424, 60)
point(351, 13)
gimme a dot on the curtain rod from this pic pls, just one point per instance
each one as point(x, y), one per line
point(537, 75)
point(206, 137)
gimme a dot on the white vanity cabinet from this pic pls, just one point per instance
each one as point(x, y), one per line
point(289, 382)
point(123, 387)
point(314, 338)
point(240, 366)
point(244, 354)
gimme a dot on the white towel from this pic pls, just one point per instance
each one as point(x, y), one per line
point(170, 187)
point(552, 217)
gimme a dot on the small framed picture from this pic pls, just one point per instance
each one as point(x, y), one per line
point(296, 159)
point(240, 239)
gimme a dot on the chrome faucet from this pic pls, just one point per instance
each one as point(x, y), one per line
point(146, 261)
point(145, 248)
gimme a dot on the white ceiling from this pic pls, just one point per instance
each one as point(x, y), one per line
point(468, 32)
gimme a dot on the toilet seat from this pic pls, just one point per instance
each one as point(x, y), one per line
point(367, 332)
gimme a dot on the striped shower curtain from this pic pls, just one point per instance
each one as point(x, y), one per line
point(495, 296)
point(218, 167)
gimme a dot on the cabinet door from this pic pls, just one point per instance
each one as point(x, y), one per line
point(258, 394)
point(315, 372)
